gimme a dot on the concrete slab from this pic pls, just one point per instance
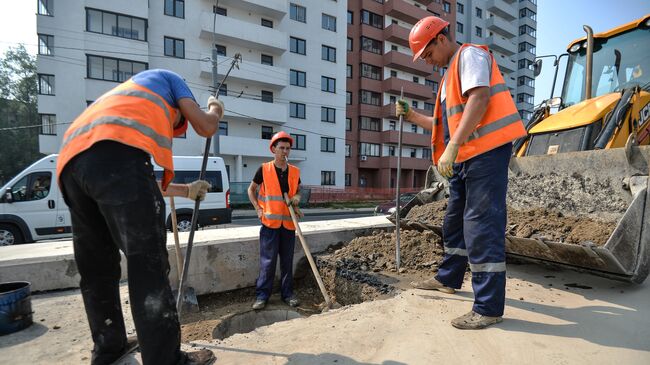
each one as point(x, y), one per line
point(546, 322)
point(222, 259)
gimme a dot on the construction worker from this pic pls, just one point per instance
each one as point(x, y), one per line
point(474, 123)
point(278, 233)
point(106, 177)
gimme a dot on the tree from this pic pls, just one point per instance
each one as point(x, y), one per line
point(18, 110)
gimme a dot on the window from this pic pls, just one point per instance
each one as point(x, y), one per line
point(413, 151)
point(525, 29)
point(297, 110)
point(267, 96)
point(45, 44)
point(446, 6)
point(459, 27)
point(369, 149)
point(350, 17)
point(391, 150)
point(393, 73)
point(104, 22)
point(348, 179)
point(525, 98)
point(298, 13)
point(349, 47)
point(348, 97)
point(34, 186)
point(428, 107)
point(45, 84)
point(327, 178)
point(525, 114)
point(525, 80)
point(348, 124)
point(328, 84)
point(392, 125)
point(432, 84)
point(347, 150)
point(297, 45)
point(460, 8)
point(478, 31)
point(348, 71)
point(369, 124)
point(223, 128)
point(414, 103)
point(372, 19)
point(328, 53)
point(267, 132)
point(370, 97)
point(45, 7)
point(267, 23)
point(267, 60)
point(524, 63)
point(326, 144)
point(416, 79)
point(297, 78)
point(220, 11)
point(327, 114)
point(370, 71)
point(112, 69)
point(426, 153)
point(175, 8)
point(414, 128)
point(174, 47)
point(393, 99)
point(479, 13)
point(329, 22)
point(371, 45)
point(221, 50)
point(526, 47)
point(300, 141)
point(48, 124)
point(527, 13)
point(393, 47)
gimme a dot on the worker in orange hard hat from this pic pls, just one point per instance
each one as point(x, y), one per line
point(474, 123)
point(278, 233)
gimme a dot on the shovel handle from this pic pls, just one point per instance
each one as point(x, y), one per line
point(305, 248)
point(179, 255)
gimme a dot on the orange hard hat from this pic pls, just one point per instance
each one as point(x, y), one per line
point(423, 32)
point(280, 135)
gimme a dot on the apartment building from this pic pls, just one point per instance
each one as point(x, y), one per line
point(379, 66)
point(291, 78)
point(508, 27)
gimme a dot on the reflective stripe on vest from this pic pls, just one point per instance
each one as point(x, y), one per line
point(488, 267)
point(270, 199)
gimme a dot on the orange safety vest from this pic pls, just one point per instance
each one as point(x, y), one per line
point(500, 124)
point(270, 199)
point(130, 114)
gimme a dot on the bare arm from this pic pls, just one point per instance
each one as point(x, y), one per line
point(252, 196)
point(174, 190)
point(421, 120)
point(204, 123)
point(477, 102)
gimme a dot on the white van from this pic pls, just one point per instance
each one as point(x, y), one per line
point(32, 206)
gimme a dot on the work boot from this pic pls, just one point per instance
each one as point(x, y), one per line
point(474, 321)
point(432, 284)
point(110, 358)
point(259, 304)
point(201, 357)
point(292, 301)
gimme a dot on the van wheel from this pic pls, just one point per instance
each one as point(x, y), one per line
point(184, 223)
point(10, 235)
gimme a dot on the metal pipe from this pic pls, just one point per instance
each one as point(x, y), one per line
point(397, 200)
point(556, 63)
point(590, 60)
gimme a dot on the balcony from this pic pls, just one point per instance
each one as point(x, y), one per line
point(502, 27)
point(231, 145)
point(528, 4)
point(502, 9)
point(248, 72)
point(404, 11)
point(273, 8)
point(397, 34)
point(501, 44)
point(272, 112)
point(414, 139)
point(414, 90)
point(400, 61)
point(246, 34)
point(507, 65)
point(388, 111)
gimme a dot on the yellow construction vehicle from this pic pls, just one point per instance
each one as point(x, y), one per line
point(588, 159)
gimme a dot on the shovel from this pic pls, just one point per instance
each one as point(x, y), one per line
point(328, 302)
point(190, 301)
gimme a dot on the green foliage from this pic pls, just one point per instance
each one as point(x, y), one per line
point(18, 108)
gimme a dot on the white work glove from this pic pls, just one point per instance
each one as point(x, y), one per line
point(197, 189)
point(212, 101)
point(446, 162)
point(295, 200)
point(402, 108)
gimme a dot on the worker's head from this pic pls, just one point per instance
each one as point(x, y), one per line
point(281, 144)
point(430, 40)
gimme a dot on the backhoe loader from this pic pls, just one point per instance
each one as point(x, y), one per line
point(588, 159)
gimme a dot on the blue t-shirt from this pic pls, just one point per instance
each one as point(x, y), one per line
point(169, 85)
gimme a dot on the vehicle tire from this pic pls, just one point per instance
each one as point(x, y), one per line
point(184, 223)
point(10, 235)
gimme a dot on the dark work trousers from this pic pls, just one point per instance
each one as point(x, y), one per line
point(115, 204)
point(274, 242)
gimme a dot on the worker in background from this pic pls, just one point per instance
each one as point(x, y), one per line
point(473, 126)
point(106, 177)
point(278, 233)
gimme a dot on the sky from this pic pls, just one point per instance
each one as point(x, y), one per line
point(558, 23)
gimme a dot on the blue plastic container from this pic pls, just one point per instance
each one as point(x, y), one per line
point(15, 306)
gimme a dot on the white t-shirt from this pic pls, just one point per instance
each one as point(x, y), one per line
point(475, 65)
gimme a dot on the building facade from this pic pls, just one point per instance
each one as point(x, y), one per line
point(291, 78)
point(379, 67)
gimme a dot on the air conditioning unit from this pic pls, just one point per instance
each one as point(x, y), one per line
point(364, 158)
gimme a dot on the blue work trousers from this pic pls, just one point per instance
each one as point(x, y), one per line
point(274, 242)
point(474, 229)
